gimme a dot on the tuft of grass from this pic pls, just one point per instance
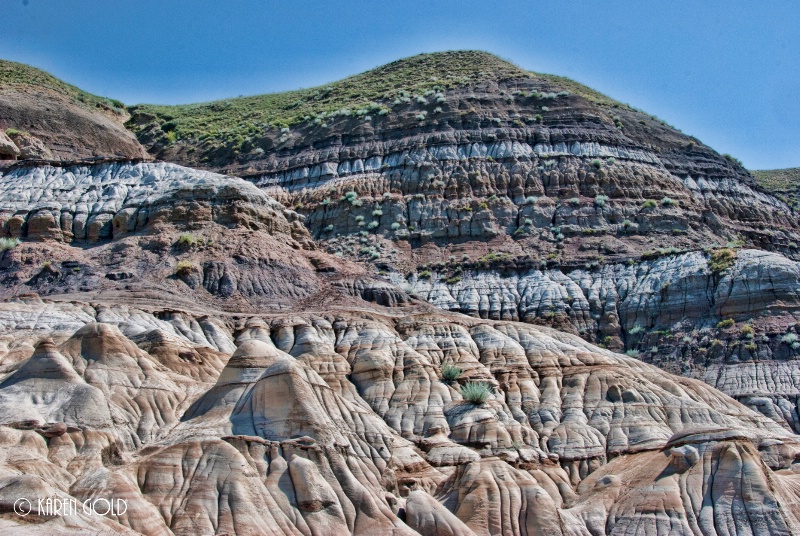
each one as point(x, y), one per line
point(728, 322)
point(597, 163)
point(450, 372)
point(476, 393)
point(188, 240)
point(649, 204)
point(790, 338)
point(184, 267)
point(8, 243)
point(668, 202)
point(721, 259)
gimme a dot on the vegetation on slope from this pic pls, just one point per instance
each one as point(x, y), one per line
point(778, 180)
point(419, 77)
point(783, 183)
point(19, 74)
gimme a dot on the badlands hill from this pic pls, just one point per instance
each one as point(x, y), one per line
point(252, 355)
point(503, 194)
point(42, 117)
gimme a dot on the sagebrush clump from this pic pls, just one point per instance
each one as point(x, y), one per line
point(8, 243)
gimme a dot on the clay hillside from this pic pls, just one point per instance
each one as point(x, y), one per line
point(397, 304)
point(42, 117)
point(504, 194)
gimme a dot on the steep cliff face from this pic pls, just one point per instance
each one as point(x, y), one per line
point(44, 118)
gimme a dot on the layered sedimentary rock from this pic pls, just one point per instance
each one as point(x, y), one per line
point(339, 423)
point(735, 329)
point(159, 230)
point(531, 198)
point(182, 340)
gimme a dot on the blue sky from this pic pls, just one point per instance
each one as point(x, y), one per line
point(726, 72)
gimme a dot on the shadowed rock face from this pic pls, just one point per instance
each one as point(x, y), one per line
point(340, 424)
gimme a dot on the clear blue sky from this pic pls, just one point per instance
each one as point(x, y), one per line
point(726, 72)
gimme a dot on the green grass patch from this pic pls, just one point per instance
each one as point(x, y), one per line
point(728, 322)
point(421, 80)
point(450, 372)
point(188, 240)
point(778, 180)
point(476, 393)
point(184, 267)
point(721, 259)
point(19, 74)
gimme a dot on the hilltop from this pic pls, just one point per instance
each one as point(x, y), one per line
point(234, 129)
point(47, 118)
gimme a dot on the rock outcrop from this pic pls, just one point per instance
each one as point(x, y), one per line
point(156, 230)
point(735, 329)
point(340, 423)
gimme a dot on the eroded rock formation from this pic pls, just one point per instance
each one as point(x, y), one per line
point(381, 357)
point(323, 423)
